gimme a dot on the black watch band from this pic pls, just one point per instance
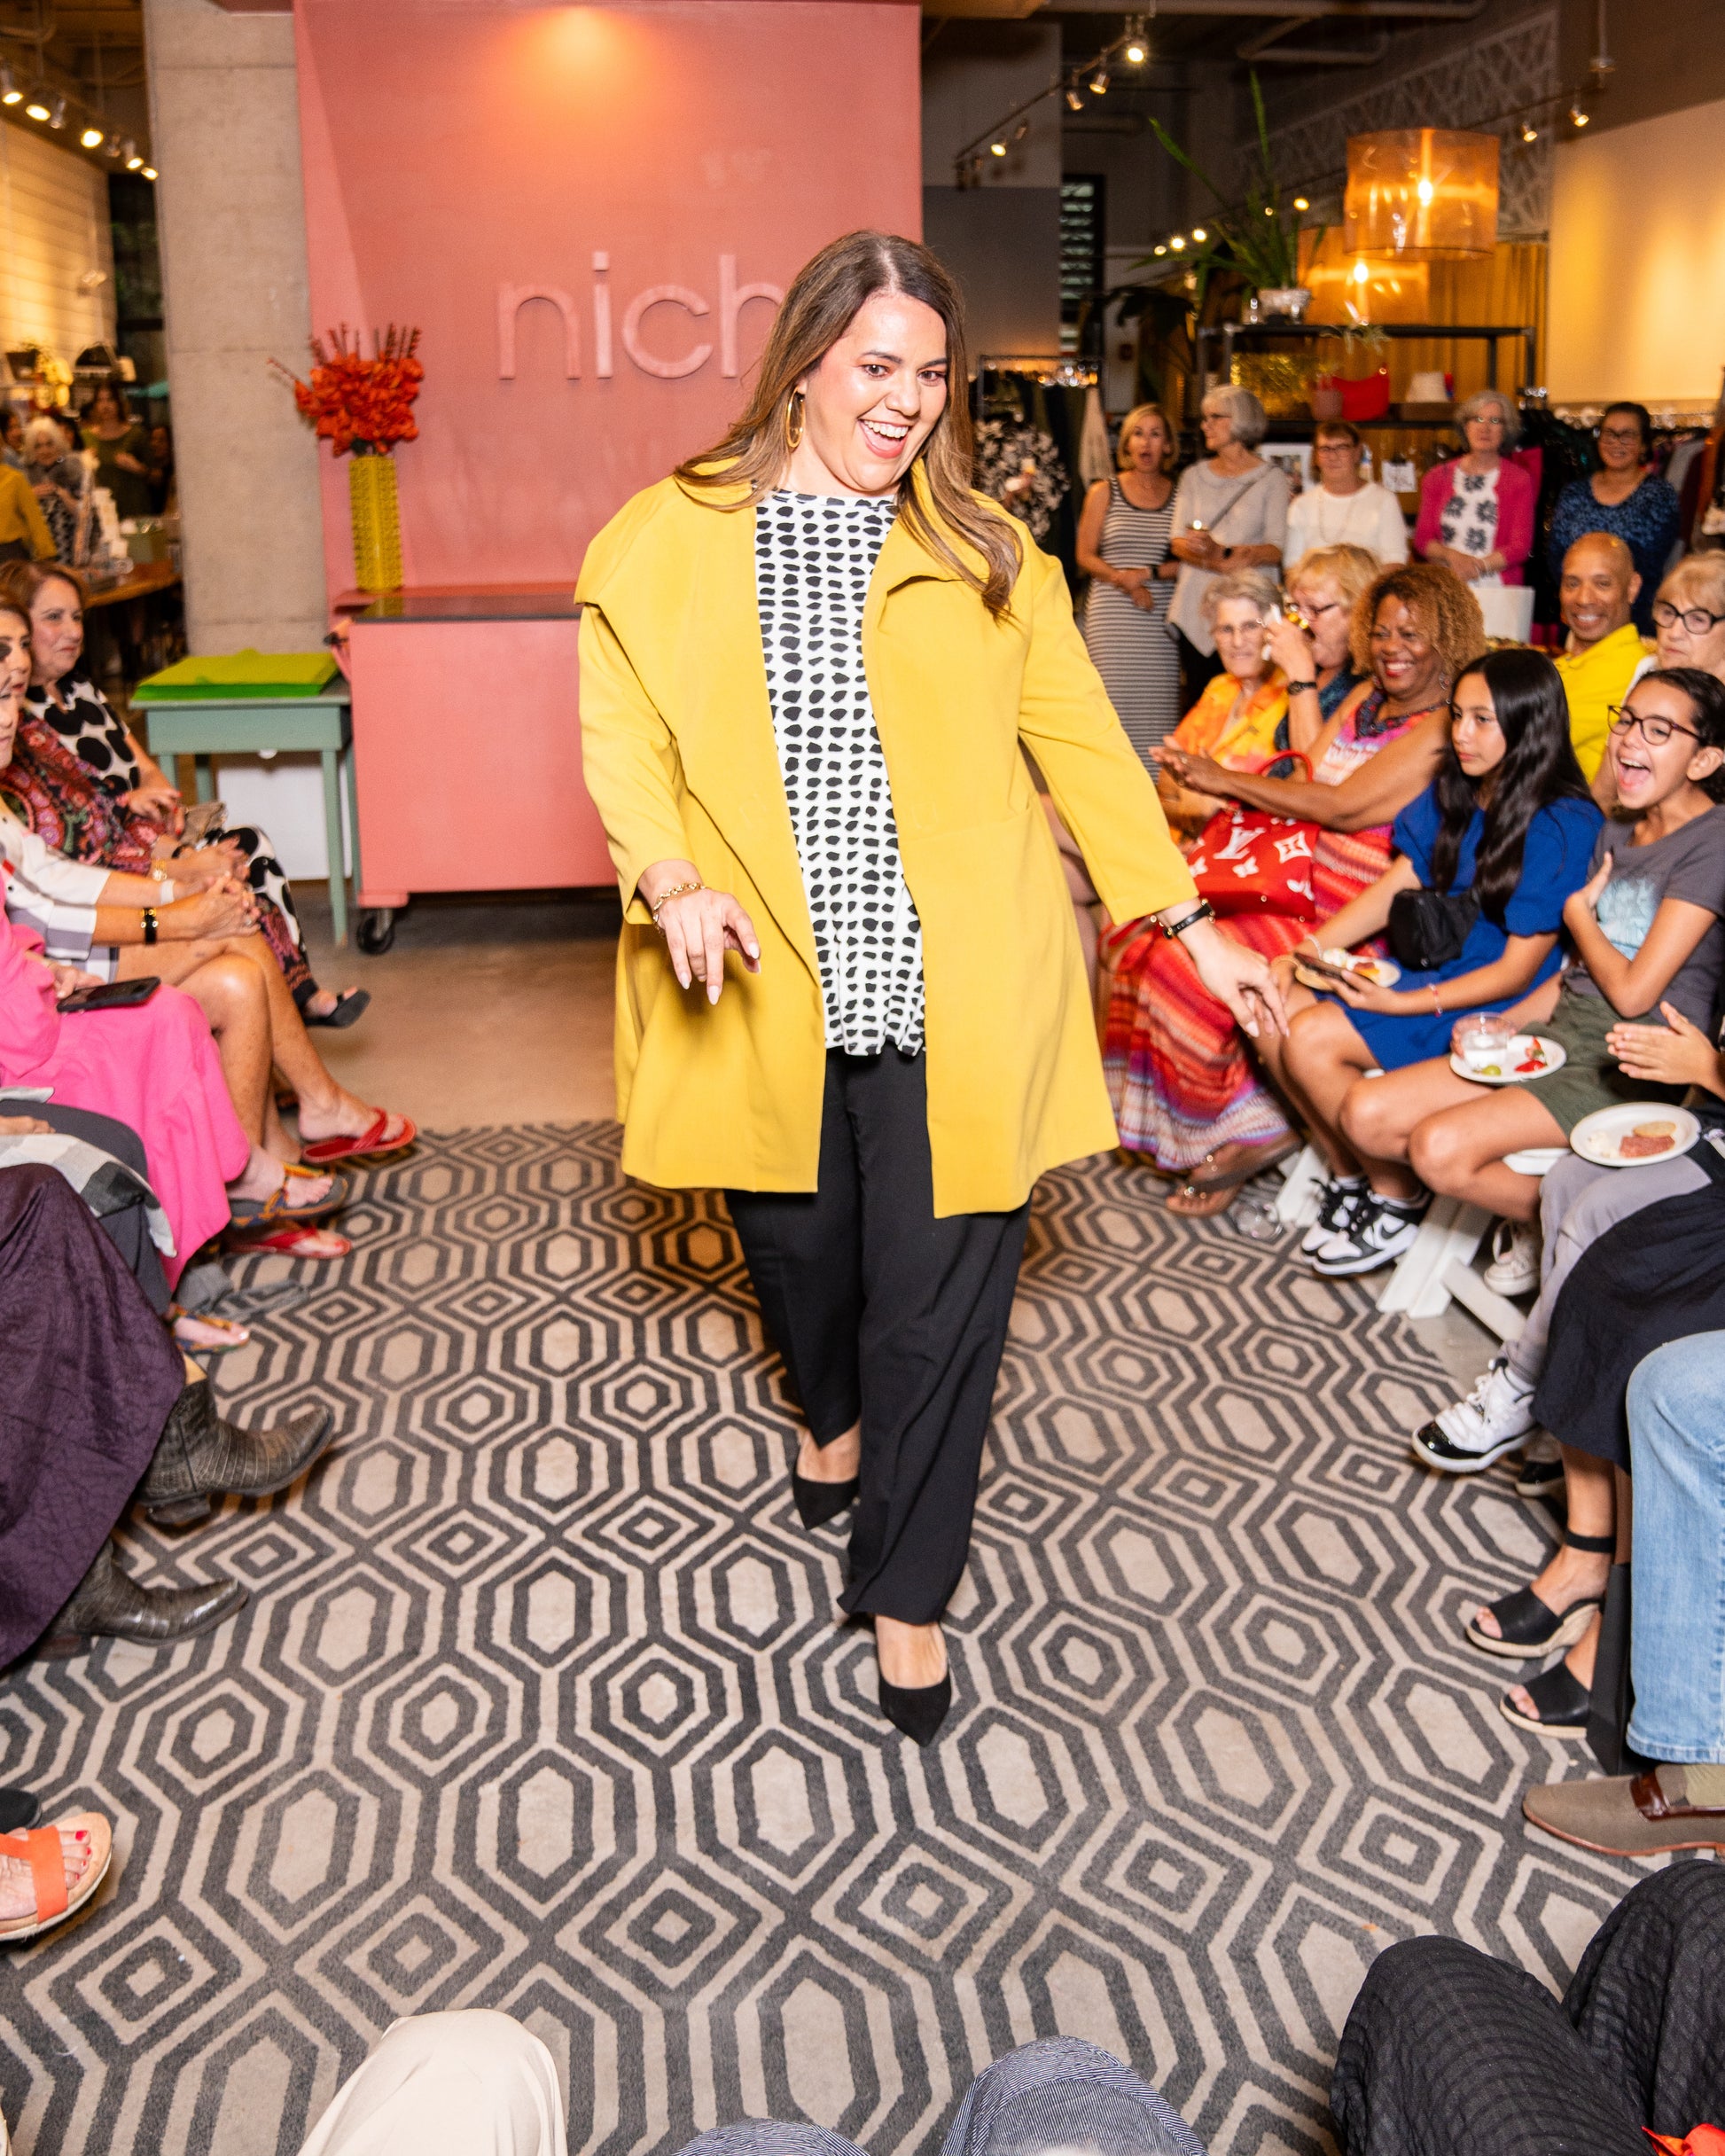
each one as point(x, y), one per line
point(1295, 687)
point(150, 924)
point(1202, 911)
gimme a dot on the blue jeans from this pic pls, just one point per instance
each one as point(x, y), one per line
point(1061, 2093)
point(1677, 1628)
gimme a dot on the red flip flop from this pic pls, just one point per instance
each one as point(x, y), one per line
point(375, 1144)
point(292, 1242)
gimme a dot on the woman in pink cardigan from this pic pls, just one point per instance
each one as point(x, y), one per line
point(1476, 512)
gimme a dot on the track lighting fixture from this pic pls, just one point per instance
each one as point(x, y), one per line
point(1099, 80)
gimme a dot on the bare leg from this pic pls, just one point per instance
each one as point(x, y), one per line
point(1582, 1657)
point(836, 1461)
point(1573, 1575)
point(1321, 1058)
point(911, 1655)
point(1380, 1115)
point(1461, 1151)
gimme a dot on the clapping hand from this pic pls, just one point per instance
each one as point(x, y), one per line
point(1653, 1056)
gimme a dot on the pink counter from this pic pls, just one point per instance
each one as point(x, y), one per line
point(467, 745)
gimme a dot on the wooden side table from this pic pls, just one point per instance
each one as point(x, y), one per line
point(253, 725)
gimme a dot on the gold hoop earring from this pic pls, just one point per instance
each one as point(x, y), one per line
point(794, 421)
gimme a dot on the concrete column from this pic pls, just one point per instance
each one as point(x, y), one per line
point(225, 131)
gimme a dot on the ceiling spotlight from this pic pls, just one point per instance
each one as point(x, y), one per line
point(56, 113)
point(1161, 250)
point(1075, 98)
point(134, 162)
point(1301, 203)
point(10, 93)
point(36, 112)
point(1099, 80)
point(1199, 234)
point(1577, 117)
point(149, 172)
point(1269, 209)
point(1137, 47)
point(1529, 132)
point(997, 148)
point(1176, 243)
point(113, 145)
point(91, 138)
point(1021, 131)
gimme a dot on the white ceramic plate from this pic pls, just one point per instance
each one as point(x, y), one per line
point(1599, 1137)
point(1383, 973)
point(1516, 1049)
point(1535, 1160)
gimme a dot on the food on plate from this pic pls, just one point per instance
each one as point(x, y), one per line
point(1376, 973)
point(1646, 1141)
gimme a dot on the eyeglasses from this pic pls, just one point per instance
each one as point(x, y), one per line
point(1316, 613)
point(1696, 619)
point(1621, 433)
point(1655, 732)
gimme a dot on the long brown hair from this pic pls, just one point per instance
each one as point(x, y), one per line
point(823, 302)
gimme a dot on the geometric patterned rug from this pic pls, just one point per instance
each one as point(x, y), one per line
point(540, 1702)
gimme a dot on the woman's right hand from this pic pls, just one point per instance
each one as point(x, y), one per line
point(204, 866)
point(699, 928)
point(226, 908)
point(1291, 648)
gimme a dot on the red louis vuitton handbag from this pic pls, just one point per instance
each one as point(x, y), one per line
point(1246, 861)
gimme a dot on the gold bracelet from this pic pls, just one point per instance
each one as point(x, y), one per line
point(678, 890)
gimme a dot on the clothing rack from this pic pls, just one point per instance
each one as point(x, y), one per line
point(1052, 370)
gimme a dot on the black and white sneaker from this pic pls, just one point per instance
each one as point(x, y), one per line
point(1540, 1474)
point(1379, 1231)
point(1337, 1206)
point(1494, 1418)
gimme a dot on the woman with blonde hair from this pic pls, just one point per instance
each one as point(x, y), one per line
point(1688, 614)
point(812, 660)
point(1123, 548)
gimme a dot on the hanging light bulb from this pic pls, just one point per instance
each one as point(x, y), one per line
point(91, 138)
point(1099, 80)
point(1362, 275)
point(1199, 234)
point(1301, 203)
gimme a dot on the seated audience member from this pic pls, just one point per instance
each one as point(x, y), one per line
point(61, 485)
point(1493, 849)
point(1448, 2052)
point(24, 532)
point(82, 781)
point(1651, 947)
point(1241, 710)
point(99, 1411)
point(1605, 651)
point(1623, 498)
point(1184, 1089)
point(1344, 509)
point(1677, 1614)
point(1688, 614)
point(1476, 512)
point(47, 1874)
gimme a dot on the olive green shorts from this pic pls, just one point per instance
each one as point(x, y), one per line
point(1590, 1078)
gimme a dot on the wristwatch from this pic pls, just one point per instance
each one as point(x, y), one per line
point(150, 924)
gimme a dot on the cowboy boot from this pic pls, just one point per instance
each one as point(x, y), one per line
point(201, 1456)
point(109, 1604)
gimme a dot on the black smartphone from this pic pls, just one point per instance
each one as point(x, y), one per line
point(113, 995)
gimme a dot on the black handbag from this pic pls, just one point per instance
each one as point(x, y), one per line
point(1430, 928)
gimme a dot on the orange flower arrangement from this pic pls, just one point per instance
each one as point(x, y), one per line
point(356, 403)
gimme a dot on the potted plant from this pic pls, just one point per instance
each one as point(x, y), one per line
point(1257, 237)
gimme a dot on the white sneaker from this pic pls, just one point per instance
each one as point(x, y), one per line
point(1515, 1258)
point(1494, 1419)
point(1337, 1206)
point(1379, 1232)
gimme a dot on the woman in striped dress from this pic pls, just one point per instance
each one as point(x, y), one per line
point(1123, 545)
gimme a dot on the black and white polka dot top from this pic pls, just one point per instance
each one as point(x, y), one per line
point(813, 555)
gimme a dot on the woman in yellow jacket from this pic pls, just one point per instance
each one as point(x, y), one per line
point(812, 662)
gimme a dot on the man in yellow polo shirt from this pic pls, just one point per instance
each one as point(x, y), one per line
point(24, 532)
point(1598, 589)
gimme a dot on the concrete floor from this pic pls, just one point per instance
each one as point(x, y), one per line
point(436, 1045)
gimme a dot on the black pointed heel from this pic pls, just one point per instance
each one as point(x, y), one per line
point(918, 1709)
point(819, 1501)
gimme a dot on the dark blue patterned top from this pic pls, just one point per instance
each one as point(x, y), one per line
point(1646, 521)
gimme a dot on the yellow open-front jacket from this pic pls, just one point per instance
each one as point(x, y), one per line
point(679, 756)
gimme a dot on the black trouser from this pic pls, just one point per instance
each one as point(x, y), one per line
point(886, 1315)
point(1449, 2053)
point(129, 1229)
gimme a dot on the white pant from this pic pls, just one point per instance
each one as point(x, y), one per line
point(460, 2084)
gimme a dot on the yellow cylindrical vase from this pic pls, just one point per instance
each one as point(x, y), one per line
point(377, 523)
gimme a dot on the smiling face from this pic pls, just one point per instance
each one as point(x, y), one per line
point(57, 632)
point(1327, 614)
point(1598, 588)
point(1239, 633)
point(1620, 446)
point(1405, 663)
point(873, 400)
point(14, 675)
point(1473, 728)
point(1649, 771)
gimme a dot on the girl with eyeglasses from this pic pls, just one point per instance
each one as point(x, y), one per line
point(1507, 821)
point(1624, 497)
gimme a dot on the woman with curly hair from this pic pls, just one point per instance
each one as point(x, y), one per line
point(1186, 1092)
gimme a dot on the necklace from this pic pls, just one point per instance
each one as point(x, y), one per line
point(1326, 537)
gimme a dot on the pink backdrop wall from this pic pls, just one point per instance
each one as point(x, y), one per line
point(461, 154)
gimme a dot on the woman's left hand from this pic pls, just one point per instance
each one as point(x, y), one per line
point(1683, 1056)
point(129, 463)
point(1238, 977)
point(68, 980)
point(1586, 899)
point(1197, 774)
point(160, 803)
point(1366, 995)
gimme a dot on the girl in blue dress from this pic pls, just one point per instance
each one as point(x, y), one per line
point(1509, 819)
